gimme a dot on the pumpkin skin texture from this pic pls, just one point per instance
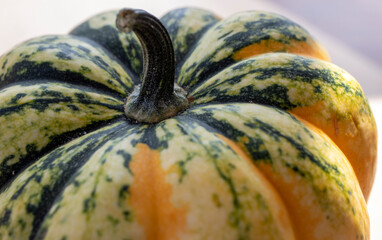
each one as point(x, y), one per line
point(277, 142)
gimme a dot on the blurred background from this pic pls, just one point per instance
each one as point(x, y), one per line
point(357, 23)
point(351, 31)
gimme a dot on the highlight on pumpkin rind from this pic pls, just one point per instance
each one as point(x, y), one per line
point(65, 58)
point(317, 91)
point(241, 36)
point(312, 176)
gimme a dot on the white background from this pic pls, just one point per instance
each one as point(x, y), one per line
point(23, 19)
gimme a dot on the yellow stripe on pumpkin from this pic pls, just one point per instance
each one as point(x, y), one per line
point(151, 197)
point(270, 45)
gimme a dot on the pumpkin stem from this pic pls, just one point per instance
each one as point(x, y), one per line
point(158, 97)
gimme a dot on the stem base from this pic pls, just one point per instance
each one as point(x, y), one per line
point(155, 111)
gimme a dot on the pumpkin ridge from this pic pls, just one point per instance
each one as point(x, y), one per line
point(81, 86)
point(208, 120)
point(82, 148)
point(50, 74)
point(134, 77)
point(214, 69)
point(238, 206)
point(38, 229)
point(338, 190)
point(126, 47)
point(42, 103)
point(173, 25)
point(178, 21)
point(44, 111)
point(10, 173)
point(89, 182)
point(296, 70)
point(185, 121)
point(241, 151)
point(51, 57)
point(232, 34)
point(239, 217)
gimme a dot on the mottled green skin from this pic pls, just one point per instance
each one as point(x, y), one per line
point(78, 172)
point(126, 47)
point(186, 26)
point(285, 81)
point(66, 146)
point(65, 58)
point(217, 47)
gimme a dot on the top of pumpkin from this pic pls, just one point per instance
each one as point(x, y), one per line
point(66, 140)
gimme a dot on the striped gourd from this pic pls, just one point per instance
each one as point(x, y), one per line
point(260, 137)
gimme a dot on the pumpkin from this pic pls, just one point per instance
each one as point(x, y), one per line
point(240, 128)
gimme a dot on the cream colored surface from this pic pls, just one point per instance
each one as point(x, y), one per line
point(23, 19)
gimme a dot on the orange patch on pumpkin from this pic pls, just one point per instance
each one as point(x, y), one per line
point(283, 215)
point(306, 218)
point(307, 215)
point(303, 218)
point(151, 197)
point(358, 144)
point(295, 47)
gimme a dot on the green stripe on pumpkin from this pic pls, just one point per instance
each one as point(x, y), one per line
point(285, 81)
point(65, 58)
